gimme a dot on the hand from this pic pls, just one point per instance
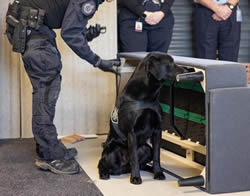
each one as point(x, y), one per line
point(217, 18)
point(93, 32)
point(107, 65)
point(153, 18)
point(223, 12)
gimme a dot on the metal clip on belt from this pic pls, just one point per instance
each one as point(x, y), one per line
point(35, 18)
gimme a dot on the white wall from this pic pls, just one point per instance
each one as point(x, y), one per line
point(87, 94)
point(9, 84)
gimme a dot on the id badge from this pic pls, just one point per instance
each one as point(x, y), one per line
point(138, 26)
point(238, 15)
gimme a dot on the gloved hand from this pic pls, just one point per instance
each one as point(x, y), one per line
point(93, 32)
point(107, 65)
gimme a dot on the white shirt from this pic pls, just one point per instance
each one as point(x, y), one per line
point(219, 2)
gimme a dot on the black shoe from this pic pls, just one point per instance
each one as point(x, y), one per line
point(68, 167)
point(70, 154)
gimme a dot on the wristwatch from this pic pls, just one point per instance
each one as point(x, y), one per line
point(231, 6)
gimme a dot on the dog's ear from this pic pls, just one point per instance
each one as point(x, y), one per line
point(155, 67)
point(147, 61)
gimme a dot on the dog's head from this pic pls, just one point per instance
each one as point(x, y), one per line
point(161, 66)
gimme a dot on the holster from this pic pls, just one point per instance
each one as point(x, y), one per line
point(11, 20)
point(18, 19)
point(19, 36)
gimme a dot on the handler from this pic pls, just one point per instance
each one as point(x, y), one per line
point(29, 30)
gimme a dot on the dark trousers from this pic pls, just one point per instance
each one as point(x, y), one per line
point(212, 36)
point(42, 63)
point(152, 38)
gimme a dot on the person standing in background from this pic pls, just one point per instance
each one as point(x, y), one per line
point(217, 29)
point(145, 25)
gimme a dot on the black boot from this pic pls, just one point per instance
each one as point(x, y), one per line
point(70, 154)
point(68, 167)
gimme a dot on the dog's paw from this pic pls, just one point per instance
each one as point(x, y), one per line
point(159, 176)
point(135, 180)
point(104, 176)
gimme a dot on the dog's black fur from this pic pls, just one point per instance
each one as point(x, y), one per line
point(139, 119)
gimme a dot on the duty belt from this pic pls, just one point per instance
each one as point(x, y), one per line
point(18, 19)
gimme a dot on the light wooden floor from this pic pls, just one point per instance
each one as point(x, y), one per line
point(89, 153)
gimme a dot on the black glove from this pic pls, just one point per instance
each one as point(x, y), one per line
point(107, 65)
point(93, 32)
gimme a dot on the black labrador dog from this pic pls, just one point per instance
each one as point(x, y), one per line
point(136, 119)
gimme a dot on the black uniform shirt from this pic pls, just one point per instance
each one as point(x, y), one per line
point(72, 17)
point(136, 8)
point(55, 10)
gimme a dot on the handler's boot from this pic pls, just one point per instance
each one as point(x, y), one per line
point(67, 167)
point(70, 154)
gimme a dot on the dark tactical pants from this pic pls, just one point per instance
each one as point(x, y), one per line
point(42, 63)
point(212, 35)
